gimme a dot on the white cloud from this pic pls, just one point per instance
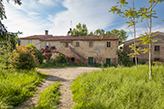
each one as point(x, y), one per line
point(28, 17)
point(17, 21)
point(94, 13)
point(141, 29)
point(31, 19)
point(50, 2)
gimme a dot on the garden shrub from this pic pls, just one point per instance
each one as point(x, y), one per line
point(24, 58)
point(123, 57)
point(60, 58)
point(157, 63)
point(47, 52)
point(37, 53)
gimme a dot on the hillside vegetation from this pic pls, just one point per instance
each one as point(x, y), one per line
point(120, 88)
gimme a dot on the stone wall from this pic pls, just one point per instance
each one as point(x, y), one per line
point(99, 51)
point(155, 54)
point(25, 42)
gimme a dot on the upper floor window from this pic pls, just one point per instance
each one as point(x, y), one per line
point(30, 41)
point(157, 48)
point(77, 44)
point(108, 44)
point(90, 44)
point(47, 43)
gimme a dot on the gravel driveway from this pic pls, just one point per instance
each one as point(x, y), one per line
point(66, 76)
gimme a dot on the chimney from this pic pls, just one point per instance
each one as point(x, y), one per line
point(69, 32)
point(46, 32)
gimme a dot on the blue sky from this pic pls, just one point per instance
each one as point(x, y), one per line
point(33, 17)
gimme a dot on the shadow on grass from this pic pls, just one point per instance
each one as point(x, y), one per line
point(60, 65)
point(54, 78)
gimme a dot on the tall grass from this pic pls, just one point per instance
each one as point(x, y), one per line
point(17, 85)
point(49, 98)
point(120, 88)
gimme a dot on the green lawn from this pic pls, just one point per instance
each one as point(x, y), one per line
point(17, 85)
point(120, 88)
point(49, 98)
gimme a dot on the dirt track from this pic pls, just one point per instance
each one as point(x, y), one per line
point(66, 76)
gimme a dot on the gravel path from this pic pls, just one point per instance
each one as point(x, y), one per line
point(66, 76)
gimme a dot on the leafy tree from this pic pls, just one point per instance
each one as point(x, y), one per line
point(131, 14)
point(8, 40)
point(80, 30)
point(108, 33)
point(149, 13)
point(91, 33)
point(120, 33)
point(123, 57)
point(99, 32)
point(3, 15)
point(4, 34)
point(142, 13)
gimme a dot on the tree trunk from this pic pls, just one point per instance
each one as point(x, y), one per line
point(135, 45)
point(150, 51)
point(134, 38)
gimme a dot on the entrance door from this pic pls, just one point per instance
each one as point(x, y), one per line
point(108, 61)
point(73, 59)
point(90, 60)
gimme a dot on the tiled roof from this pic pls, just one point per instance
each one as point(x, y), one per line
point(35, 37)
point(70, 38)
point(157, 32)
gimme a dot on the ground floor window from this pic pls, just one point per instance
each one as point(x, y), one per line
point(156, 59)
point(66, 44)
point(108, 61)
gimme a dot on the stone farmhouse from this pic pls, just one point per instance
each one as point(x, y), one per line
point(90, 49)
point(157, 49)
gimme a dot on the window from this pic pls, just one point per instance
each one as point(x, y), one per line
point(90, 44)
point(157, 48)
point(108, 44)
point(30, 41)
point(66, 44)
point(156, 59)
point(77, 44)
point(47, 43)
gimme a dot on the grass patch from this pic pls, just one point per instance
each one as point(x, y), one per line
point(17, 85)
point(49, 98)
point(60, 65)
point(120, 88)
